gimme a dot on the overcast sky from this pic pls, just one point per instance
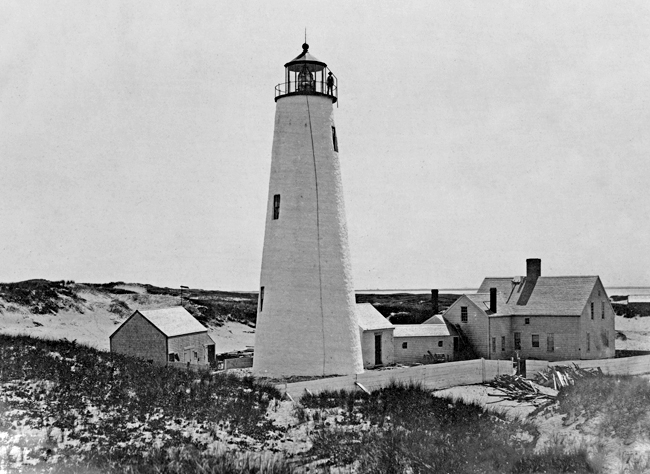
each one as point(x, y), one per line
point(135, 137)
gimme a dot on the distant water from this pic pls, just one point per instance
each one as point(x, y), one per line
point(611, 290)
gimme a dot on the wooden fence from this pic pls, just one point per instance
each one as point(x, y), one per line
point(623, 366)
point(439, 376)
point(238, 363)
point(435, 376)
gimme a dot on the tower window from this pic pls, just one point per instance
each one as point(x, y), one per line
point(335, 142)
point(276, 206)
point(261, 298)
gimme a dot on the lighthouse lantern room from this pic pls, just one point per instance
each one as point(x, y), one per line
point(307, 75)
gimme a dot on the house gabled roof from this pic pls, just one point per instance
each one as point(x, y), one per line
point(370, 319)
point(544, 296)
point(174, 321)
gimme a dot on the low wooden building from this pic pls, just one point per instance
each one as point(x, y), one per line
point(424, 343)
point(549, 318)
point(162, 336)
point(376, 336)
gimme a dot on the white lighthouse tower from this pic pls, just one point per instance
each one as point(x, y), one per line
point(306, 319)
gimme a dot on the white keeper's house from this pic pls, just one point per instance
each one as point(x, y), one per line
point(161, 336)
point(537, 317)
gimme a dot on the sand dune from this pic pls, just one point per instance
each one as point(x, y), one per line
point(92, 322)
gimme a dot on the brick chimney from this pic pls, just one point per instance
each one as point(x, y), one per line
point(533, 268)
point(434, 301)
point(493, 300)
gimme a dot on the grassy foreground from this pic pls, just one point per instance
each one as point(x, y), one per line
point(68, 408)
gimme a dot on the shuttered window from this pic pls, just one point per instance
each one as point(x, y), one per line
point(517, 341)
point(503, 343)
point(550, 342)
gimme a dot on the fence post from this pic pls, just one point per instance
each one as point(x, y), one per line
point(483, 369)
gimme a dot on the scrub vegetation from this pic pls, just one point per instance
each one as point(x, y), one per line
point(66, 407)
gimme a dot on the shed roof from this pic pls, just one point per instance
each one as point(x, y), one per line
point(420, 330)
point(544, 296)
point(174, 321)
point(370, 319)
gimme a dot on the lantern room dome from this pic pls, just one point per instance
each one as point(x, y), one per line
point(306, 75)
point(305, 59)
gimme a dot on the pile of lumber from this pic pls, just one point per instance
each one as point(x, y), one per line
point(517, 389)
point(558, 376)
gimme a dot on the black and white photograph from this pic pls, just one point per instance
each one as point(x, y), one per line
point(325, 237)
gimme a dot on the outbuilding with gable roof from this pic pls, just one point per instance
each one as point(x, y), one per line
point(162, 336)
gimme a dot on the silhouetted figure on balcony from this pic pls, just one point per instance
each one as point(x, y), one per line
point(330, 83)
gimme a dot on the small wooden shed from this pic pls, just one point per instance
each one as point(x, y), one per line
point(164, 336)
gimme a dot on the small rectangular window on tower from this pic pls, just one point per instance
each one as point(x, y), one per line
point(261, 298)
point(335, 142)
point(276, 207)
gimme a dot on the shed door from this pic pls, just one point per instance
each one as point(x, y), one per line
point(211, 353)
point(377, 349)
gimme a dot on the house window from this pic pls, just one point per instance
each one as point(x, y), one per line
point(550, 343)
point(405, 345)
point(602, 310)
point(535, 340)
point(463, 314)
point(335, 142)
point(503, 343)
point(588, 342)
point(261, 298)
point(439, 343)
point(276, 206)
point(605, 337)
point(517, 341)
point(527, 321)
point(171, 357)
point(494, 344)
point(592, 310)
point(196, 355)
